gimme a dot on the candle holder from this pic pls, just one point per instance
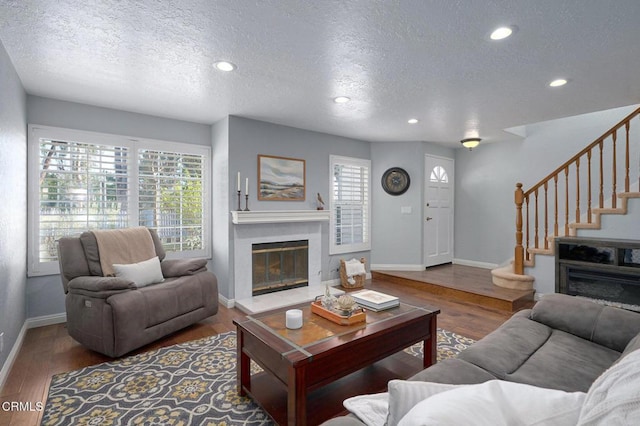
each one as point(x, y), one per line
point(246, 203)
point(239, 207)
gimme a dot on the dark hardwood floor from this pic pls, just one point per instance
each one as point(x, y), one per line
point(49, 350)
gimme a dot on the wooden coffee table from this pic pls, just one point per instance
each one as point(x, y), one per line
point(308, 372)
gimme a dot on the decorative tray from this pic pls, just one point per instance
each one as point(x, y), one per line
point(355, 317)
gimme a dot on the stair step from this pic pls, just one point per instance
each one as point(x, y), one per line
point(609, 210)
point(592, 225)
point(454, 281)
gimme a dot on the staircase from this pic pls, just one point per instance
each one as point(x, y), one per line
point(599, 180)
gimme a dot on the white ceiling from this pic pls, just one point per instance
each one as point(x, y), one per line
point(396, 59)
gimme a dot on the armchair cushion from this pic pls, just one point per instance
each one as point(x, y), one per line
point(180, 267)
point(142, 273)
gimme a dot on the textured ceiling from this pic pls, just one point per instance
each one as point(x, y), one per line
point(396, 59)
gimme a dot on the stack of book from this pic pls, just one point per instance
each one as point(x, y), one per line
point(375, 300)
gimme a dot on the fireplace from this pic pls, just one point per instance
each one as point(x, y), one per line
point(607, 271)
point(279, 266)
point(258, 227)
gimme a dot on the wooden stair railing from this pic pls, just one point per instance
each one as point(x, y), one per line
point(568, 175)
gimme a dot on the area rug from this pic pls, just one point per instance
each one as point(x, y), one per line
point(193, 383)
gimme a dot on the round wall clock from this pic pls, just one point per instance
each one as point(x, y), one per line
point(395, 181)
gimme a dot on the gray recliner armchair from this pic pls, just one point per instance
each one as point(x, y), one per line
point(113, 315)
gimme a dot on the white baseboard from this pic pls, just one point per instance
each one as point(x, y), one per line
point(4, 373)
point(227, 303)
point(474, 263)
point(46, 320)
point(28, 324)
point(396, 267)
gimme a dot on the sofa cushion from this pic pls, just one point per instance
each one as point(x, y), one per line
point(605, 325)
point(503, 351)
point(142, 273)
point(564, 362)
point(454, 371)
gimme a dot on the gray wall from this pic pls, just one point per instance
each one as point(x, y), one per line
point(247, 138)
point(222, 244)
point(13, 222)
point(44, 294)
point(397, 237)
point(486, 178)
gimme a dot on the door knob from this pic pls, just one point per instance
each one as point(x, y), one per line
point(429, 218)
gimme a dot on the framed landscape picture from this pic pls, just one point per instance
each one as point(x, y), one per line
point(281, 178)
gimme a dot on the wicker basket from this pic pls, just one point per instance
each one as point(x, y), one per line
point(358, 278)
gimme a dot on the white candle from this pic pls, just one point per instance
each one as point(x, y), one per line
point(293, 318)
point(238, 181)
point(246, 190)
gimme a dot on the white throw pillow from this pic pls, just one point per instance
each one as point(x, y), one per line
point(496, 403)
point(141, 273)
point(404, 394)
point(614, 397)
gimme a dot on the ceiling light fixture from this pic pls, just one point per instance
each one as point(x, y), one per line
point(412, 120)
point(501, 33)
point(557, 83)
point(341, 99)
point(470, 143)
point(224, 66)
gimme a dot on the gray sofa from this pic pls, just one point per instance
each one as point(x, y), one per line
point(111, 315)
point(563, 343)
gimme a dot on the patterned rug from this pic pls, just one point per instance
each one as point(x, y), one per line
point(192, 383)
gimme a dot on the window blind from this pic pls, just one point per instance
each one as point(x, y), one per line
point(171, 198)
point(84, 180)
point(350, 206)
point(81, 186)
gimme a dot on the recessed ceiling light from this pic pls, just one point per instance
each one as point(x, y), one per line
point(412, 120)
point(557, 83)
point(501, 33)
point(224, 66)
point(341, 99)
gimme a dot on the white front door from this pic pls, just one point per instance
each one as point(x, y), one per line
point(438, 211)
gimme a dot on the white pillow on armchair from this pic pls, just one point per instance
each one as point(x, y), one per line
point(142, 273)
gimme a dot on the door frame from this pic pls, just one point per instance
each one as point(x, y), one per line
point(427, 174)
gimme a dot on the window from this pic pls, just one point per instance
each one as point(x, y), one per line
point(439, 174)
point(350, 224)
point(82, 180)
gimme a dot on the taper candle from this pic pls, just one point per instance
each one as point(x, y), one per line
point(238, 181)
point(246, 189)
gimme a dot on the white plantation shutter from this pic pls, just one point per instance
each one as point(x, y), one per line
point(81, 186)
point(350, 225)
point(171, 198)
point(81, 181)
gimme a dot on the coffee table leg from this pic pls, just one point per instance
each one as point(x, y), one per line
point(296, 397)
point(430, 345)
point(243, 362)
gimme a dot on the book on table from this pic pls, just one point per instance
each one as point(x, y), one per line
point(375, 300)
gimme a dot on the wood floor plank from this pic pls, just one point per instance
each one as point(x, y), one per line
point(49, 350)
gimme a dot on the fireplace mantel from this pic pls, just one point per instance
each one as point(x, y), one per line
point(278, 216)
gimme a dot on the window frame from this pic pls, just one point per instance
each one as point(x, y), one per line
point(353, 247)
point(37, 268)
